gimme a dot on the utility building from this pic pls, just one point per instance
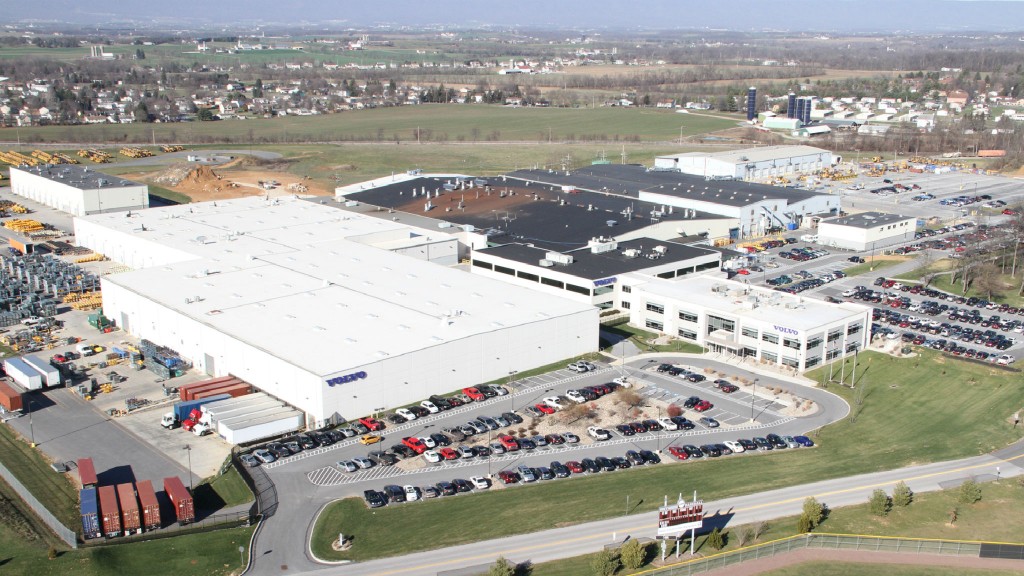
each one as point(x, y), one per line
point(78, 190)
point(750, 163)
point(866, 231)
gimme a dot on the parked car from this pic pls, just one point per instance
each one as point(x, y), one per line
point(709, 422)
point(348, 465)
point(370, 439)
point(375, 499)
point(598, 433)
point(264, 456)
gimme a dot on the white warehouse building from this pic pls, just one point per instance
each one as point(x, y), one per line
point(338, 314)
point(866, 231)
point(748, 163)
point(78, 190)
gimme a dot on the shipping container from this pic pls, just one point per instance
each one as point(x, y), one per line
point(10, 398)
point(23, 374)
point(130, 520)
point(181, 499)
point(182, 409)
point(87, 472)
point(150, 505)
point(90, 513)
point(184, 391)
point(209, 390)
point(51, 376)
point(110, 514)
point(23, 246)
point(235, 390)
point(252, 430)
point(991, 153)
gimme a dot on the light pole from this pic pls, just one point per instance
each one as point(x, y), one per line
point(188, 448)
point(753, 395)
point(511, 391)
point(31, 429)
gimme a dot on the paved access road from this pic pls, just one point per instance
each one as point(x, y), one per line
point(282, 543)
point(587, 538)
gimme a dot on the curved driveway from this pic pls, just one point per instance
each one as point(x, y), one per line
point(282, 545)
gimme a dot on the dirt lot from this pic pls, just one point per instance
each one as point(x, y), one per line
point(231, 180)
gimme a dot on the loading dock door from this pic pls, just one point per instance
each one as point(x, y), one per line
point(124, 322)
point(210, 368)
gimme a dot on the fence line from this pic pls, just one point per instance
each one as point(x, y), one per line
point(822, 541)
point(63, 532)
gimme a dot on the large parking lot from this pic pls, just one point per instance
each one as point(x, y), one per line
point(550, 441)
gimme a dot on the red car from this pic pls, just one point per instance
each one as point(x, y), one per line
point(743, 272)
point(544, 408)
point(509, 443)
point(678, 452)
point(372, 423)
point(448, 453)
point(703, 406)
point(508, 477)
point(574, 467)
point(415, 444)
point(474, 394)
point(1009, 212)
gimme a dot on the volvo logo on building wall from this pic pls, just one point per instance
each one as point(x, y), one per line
point(605, 281)
point(346, 378)
point(785, 330)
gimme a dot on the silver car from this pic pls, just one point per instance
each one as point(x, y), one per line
point(363, 462)
point(264, 456)
point(348, 465)
point(249, 460)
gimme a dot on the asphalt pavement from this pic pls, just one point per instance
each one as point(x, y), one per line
point(282, 541)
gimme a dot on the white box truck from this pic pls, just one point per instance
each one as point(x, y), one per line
point(26, 376)
point(266, 427)
point(51, 376)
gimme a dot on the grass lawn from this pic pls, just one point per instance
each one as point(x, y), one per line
point(906, 399)
point(942, 282)
point(996, 518)
point(53, 490)
point(170, 195)
point(645, 340)
point(223, 491)
point(867, 267)
point(427, 123)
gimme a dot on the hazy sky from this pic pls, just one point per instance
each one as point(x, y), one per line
point(792, 15)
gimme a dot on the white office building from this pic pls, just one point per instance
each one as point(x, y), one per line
point(337, 314)
point(866, 231)
point(746, 321)
point(78, 190)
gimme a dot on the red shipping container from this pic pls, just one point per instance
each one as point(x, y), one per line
point(181, 499)
point(10, 398)
point(183, 391)
point(150, 505)
point(235, 390)
point(212, 389)
point(110, 515)
point(130, 519)
point(87, 472)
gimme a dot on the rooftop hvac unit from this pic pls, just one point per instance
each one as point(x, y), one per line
point(559, 258)
point(545, 263)
point(631, 253)
point(661, 250)
point(601, 245)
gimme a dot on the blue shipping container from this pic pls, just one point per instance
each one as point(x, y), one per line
point(90, 514)
point(182, 409)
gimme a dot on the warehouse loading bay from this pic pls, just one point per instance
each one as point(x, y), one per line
point(66, 426)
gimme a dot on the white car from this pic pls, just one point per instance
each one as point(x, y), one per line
point(406, 413)
point(598, 433)
point(412, 493)
point(733, 445)
point(575, 396)
point(623, 381)
point(480, 483)
point(849, 292)
point(430, 406)
point(432, 456)
point(428, 441)
point(668, 424)
point(554, 402)
point(1005, 360)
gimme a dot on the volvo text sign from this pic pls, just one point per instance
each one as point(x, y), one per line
point(346, 378)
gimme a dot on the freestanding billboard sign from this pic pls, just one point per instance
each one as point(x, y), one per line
point(676, 519)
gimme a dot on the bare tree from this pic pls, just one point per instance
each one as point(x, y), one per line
point(629, 397)
point(577, 412)
point(987, 280)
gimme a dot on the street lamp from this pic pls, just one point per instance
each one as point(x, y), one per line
point(31, 429)
point(753, 395)
point(188, 448)
point(511, 391)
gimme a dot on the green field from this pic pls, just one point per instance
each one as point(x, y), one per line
point(222, 491)
point(941, 281)
point(644, 340)
point(903, 399)
point(426, 123)
point(53, 490)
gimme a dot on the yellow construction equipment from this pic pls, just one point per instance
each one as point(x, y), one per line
point(96, 156)
point(23, 225)
point(132, 152)
point(172, 148)
point(94, 257)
